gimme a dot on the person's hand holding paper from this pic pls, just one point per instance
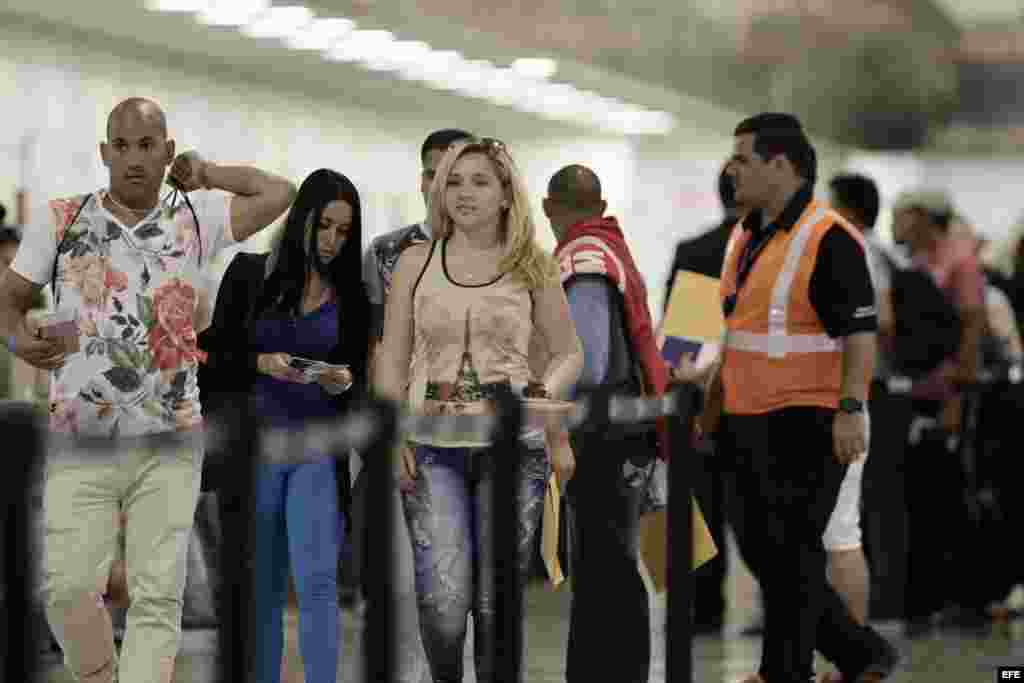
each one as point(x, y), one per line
point(691, 333)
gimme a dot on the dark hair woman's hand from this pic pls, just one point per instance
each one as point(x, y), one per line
point(276, 365)
point(336, 379)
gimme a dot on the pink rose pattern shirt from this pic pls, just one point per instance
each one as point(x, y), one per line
point(137, 291)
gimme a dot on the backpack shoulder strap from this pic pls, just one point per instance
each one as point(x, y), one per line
point(60, 245)
point(430, 256)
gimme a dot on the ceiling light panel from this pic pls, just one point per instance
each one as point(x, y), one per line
point(320, 34)
point(279, 22)
point(523, 85)
point(176, 5)
point(232, 12)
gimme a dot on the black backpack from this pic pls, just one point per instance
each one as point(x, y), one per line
point(926, 326)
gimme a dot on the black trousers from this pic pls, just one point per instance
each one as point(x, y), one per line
point(884, 513)
point(786, 481)
point(710, 488)
point(942, 539)
point(609, 626)
point(934, 492)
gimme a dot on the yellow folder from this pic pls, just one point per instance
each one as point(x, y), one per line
point(654, 543)
point(694, 309)
point(549, 533)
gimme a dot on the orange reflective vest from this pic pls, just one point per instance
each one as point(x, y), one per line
point(776, 352)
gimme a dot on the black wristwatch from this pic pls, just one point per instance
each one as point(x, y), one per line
point(851, 406)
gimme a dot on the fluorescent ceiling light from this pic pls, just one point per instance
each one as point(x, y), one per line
point(320, 34)
point(232, 12)
point(470, 77)
point(434, 68)
point(176, 5)
point(401, 54)
point(278, 22)
point(535, 68)
point(362, 46)
point(502, 86)
point(524, 85)
point(642, 122)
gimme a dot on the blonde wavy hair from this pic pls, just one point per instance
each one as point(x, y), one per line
point(523, 257)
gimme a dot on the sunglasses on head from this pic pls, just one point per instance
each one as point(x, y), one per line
point(491, 146)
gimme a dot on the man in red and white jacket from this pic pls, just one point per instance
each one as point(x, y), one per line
point(608, 301)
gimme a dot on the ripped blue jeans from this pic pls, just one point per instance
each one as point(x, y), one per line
point(449, 512)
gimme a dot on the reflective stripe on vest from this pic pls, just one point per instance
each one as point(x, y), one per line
point(776, 343)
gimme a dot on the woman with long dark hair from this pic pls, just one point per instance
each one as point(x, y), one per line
point(303, 300)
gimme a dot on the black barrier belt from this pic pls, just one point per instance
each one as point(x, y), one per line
point(678, 620)
point(508, 637)
point(18, 660)
point(354, 431)
point(1008, 373)
point(380, 651)
point(372, 430)
point(243, 445)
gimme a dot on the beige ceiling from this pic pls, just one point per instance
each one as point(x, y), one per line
point(650, 51)
point(974, 13)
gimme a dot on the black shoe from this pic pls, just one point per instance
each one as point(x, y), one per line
point(966, 618)
point(917, 627)
point(885, 657)
point(708, 627)
point(348, 596)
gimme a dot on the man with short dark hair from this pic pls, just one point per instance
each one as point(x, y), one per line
point(608, 301)
point(791, 385)
point(856, 197)
point(705, 253)
point(382, 256)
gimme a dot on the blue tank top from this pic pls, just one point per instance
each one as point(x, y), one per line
point(312, 336)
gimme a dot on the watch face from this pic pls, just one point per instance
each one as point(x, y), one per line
point(850, 405)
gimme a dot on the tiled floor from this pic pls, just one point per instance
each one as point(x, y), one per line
point(947, 658)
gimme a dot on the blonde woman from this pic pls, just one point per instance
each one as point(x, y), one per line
point(458, 322)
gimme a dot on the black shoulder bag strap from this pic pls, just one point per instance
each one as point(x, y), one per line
point(60, 245)
point(64, 237)
point(416, 285)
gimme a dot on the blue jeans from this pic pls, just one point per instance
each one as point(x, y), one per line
point(449, 513)
point(296, 519)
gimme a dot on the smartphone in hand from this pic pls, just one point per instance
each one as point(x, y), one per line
point(61, 326)
point(306, 364)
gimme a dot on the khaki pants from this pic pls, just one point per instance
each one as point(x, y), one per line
point(156, 489)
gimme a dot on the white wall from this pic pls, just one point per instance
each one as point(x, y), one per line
point(57, 93)
point(984, 190)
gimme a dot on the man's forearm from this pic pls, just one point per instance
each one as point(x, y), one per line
point(858, 364)
point(12, 311)
point(259, 197)
point(246, 181)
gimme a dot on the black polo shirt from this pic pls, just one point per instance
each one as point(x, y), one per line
point(840, 288)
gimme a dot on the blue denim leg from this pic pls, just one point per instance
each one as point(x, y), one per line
point(439, 515)
point(270, 571)
point(448, 512)
point(297, 525)
point(314, 535)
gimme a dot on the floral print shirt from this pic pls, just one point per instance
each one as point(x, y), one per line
point(137, 292)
